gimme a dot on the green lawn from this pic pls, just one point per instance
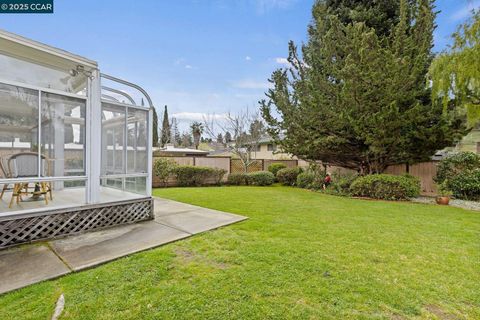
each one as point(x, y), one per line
point(300, 255)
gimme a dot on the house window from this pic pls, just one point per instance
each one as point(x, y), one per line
point(257, 148)
point(271, 147)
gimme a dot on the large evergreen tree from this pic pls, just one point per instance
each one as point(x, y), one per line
point(357, 97)
point(165, 138)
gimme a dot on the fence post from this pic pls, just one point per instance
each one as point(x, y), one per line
point(194, 162)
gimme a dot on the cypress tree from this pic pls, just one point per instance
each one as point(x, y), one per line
point(357, 97)
point(165, 138)
point(155, 127)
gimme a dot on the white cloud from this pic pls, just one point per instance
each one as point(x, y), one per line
point(466, 11)
point(183, 62)
point(252, 84)
point(248, 58)
point(179, 61)
point(282, 61)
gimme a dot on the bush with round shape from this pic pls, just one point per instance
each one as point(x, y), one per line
point(237, 179)
point(456, 164)
point(465, 185)
point(386, 187)
point(341, 183)
point(163, 168)
point(306, 180)
point(288, 176)
point(275, 167)
point(261, 178)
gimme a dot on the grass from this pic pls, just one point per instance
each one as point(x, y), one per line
point(300, 255)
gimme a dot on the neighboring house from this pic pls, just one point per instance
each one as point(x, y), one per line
point(267, 149)
point(171, 151)
point(225, 152)
point(471, 142)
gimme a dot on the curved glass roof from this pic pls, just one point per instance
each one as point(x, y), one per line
point(120, 91)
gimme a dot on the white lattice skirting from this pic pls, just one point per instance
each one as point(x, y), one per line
point(58, 223)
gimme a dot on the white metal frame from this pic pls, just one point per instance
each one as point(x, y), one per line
point(93, 129)
point(149, 109)
point(39, 91)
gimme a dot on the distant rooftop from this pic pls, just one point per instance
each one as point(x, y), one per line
point(174, 150)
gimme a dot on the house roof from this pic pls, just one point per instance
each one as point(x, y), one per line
point(267, 138)
point(172, 149)
point(13, 44)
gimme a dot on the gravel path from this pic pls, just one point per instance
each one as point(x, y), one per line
point(465, 204)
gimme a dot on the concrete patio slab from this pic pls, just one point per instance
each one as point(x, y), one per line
point(164, 207)
point(93, 248)
point(22, 266)
point(198, 220)
point(28, 264)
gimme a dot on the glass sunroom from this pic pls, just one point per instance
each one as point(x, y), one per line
point(75, 144)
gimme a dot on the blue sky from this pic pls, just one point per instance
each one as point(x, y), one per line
point(196, 56)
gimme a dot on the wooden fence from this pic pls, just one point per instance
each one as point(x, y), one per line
point(236, 165)
point(425, 171)
point(211, 162)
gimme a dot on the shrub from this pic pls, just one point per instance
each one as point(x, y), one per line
point(305, 179)
point(217, 175)
point(275, 167)
point(237, 179)
point(163, 168)
point(288, 176)
point(197, 176)
point(465, 185)
point(261, 178)
point(385, 186)
point(460, 174)
point(455, 164)
point(341, 183)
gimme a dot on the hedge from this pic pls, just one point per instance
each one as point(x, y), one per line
point(197, 176)
point(386, 186)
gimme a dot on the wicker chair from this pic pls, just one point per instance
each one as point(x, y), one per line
point(25, 165)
